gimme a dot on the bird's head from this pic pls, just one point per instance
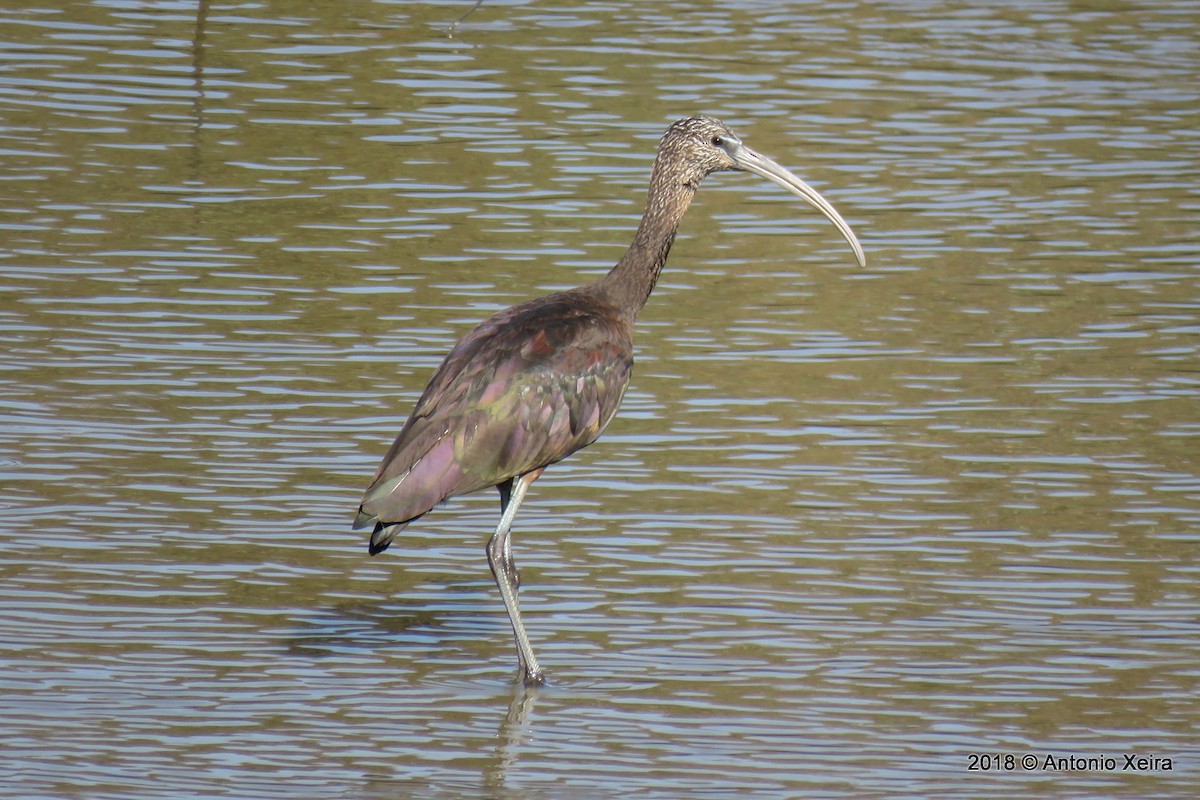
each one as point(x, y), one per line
point(697, 146)
point(700, 146)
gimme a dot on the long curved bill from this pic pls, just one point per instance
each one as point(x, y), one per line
point(746, 159)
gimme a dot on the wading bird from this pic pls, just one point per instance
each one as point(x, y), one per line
point(534, 383)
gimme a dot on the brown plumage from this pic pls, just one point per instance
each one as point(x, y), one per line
point(534, 383)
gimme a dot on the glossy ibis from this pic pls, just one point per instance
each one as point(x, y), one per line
point(534, 383)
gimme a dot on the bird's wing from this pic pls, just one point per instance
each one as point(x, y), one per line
point(526, 388)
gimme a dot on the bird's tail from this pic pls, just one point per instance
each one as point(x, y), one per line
point(383, 535)
point(384, 532)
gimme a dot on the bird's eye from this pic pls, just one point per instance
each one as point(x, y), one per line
point(717, 141)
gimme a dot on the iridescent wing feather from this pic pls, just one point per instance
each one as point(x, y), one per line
point(526, 388)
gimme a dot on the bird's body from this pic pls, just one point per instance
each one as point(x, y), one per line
point(535, 382)
point(526, 388)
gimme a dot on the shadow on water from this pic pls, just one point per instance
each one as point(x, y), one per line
point(374, 626)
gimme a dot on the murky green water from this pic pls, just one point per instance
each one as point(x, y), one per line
point(850, 527)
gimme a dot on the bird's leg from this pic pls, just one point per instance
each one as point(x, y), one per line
point(510, 563)
point(504, 570)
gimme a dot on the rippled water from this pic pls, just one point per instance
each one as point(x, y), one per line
point(850, 527)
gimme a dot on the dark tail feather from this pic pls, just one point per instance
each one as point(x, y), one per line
point(382, 536)
point(384, 532)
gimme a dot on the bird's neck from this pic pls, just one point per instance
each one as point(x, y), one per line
point(628, 285)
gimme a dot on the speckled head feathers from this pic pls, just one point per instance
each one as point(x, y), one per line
point(697, 146)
